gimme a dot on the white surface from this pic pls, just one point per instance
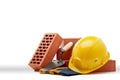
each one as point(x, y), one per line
point(24, 22)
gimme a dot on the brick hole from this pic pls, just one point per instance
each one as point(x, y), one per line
point(31, 62)
point(47, 41)
point(36, 53)
point(44, 47)
point(44, 38)
point(46, 35)
point(34, 62)
point(47, 38)
point(38, 62)
point(41, 56)
point(37, 59)
point(41, 50)
point(50, 35)
point(33, 59)
point(43, 41)
point(44, 44)
point(37, 49)
point(51, 38)
point(44, 50)
point(40, 47)
point(37, 56)
point(48, 44)
point(40, 53)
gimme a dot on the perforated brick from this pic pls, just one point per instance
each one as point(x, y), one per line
point(66, 55)
point(45, 51)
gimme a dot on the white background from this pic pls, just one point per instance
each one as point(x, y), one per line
point(24, 22)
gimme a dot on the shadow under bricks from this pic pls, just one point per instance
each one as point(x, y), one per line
point(15, 69)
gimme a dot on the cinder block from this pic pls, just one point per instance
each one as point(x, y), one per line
point(45, 51)
point(110, 66)
point(66, 55)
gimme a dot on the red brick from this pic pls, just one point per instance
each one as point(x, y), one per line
point(45, 51)
point(110, 66)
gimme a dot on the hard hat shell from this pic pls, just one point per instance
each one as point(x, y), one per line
point(88, 54)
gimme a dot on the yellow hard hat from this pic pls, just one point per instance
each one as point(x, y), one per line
point(88, 54)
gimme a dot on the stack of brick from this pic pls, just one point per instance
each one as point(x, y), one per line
point(48, 48)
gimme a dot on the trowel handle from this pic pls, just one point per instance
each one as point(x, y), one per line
point(67, 46)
